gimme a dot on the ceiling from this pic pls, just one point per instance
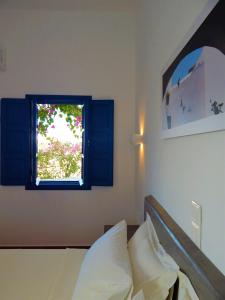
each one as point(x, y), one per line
point(108, 5)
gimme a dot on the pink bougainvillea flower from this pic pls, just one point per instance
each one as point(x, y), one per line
point(78, 121)
point(75, 148)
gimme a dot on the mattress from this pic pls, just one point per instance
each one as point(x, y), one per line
point(39, 274)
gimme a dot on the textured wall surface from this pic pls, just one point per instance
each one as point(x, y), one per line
point(179, 170)
point(62, 52)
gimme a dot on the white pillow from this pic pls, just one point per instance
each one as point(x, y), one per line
point(105, 272)
point(154, 271)
point(139, 296)
point(186, 290)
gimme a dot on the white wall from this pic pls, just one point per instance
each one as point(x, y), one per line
point(70, 53)
point(179, 170)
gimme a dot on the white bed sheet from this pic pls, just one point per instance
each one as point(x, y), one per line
point(39, 274)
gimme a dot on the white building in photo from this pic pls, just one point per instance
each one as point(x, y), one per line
point(199, 94)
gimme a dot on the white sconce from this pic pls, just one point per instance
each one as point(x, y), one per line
point(137, 139)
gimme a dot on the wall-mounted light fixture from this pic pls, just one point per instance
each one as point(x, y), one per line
point(137, 139)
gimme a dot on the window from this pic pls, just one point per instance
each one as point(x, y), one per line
point(57, 142)
point(60, 143)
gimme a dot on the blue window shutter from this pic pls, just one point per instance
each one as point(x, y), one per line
point(101, 142)
point(15, 116)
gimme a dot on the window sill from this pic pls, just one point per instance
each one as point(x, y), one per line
point(58, 185)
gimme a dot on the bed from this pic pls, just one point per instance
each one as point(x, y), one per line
point(207, 280)
point(51, 274)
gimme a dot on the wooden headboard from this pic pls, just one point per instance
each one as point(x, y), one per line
point(207, 280)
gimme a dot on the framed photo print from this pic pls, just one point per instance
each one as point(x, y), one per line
point(193, 81)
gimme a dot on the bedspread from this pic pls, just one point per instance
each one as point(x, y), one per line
point(39, 274)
